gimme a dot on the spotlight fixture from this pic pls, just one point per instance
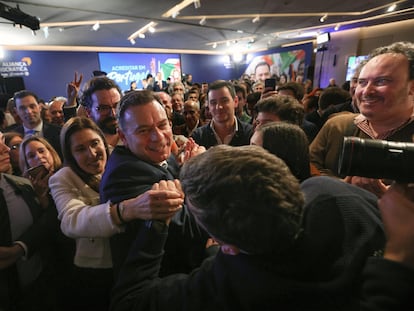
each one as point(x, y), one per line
point(46, 32)
point(323, 18)
point(256, 19)
point(202, 21)
point(140, 33)
point(132, 41)
point(175, 10)
point(214, 45)
point(392, 7)
point(337, 26)
point(175, 14)
point(96, 26)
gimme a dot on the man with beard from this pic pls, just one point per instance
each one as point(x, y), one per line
point(101, 96)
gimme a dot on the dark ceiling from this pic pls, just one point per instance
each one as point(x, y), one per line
point(247, 25)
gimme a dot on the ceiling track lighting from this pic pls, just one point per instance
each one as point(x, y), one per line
point(337, 26)
point(250, 40)
point(202, 22)
point(256, 19)
point(323, 18)
point(175, 14)
point(140, 33)
point(175, 10)
point(132, 41)
point(392, 7)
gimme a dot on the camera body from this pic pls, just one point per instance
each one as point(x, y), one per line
point(380, 159)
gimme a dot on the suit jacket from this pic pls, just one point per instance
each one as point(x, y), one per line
point(36, 237)
point(50, 132)
point(204, 136)
point(126, 176)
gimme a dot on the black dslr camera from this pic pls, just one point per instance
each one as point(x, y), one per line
point(377, 159)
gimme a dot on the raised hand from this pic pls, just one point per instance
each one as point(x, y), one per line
point(73, 88)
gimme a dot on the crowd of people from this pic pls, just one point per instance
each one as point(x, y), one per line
point(207, 196)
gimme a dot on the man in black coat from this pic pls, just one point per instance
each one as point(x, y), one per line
point(224, 127)
point(134, 171)
point(28, 109)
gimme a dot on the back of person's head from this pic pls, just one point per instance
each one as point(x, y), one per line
point(310, 103)
point(218, 84)
point(97, 84)
point(402, 47)
point(297, 89)
point(254, 203)
point(285, 107)
point(332, 96)
point(289, 143)
point(253, 98)
point(240, 89)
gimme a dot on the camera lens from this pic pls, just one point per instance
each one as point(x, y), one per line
point(377, 159)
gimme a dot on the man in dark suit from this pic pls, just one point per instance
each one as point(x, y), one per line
point(25, 233)
point(130, 181)
point(224, 127)
point(28, 109)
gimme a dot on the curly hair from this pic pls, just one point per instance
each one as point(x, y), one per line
point(244, 196)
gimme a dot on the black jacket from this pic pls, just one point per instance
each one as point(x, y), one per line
point(204, 135)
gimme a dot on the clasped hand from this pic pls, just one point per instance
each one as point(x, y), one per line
point(160, 203)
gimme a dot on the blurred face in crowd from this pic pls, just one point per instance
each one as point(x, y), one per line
point(257, 138)
point(29, 111)
point(88, 150)
point(5, 166)
point(14, 145)
point(265, 117)
point(165, 100)
point(191, 113)
point(147, 132)
point(222, 105)
point(177, 102)
point(384, 91)
point(103, 110)
point(56, 112)
point(262, 73)
point(37, 154)
point(242, 102)
point(193, 96)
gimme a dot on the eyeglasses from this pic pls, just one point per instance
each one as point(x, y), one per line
point(15, 147)
point(106, 108)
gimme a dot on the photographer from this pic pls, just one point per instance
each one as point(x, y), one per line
point(384, 97)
